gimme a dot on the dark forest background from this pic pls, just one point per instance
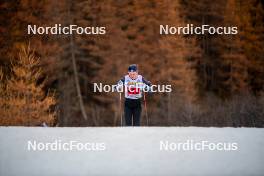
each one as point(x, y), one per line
point(217, 80)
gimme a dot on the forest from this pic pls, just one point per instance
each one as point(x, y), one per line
point(217, 80)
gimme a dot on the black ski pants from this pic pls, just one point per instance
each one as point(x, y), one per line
point(132, 112)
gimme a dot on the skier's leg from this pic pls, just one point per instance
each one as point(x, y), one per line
point(137, 114)
point(128, 114)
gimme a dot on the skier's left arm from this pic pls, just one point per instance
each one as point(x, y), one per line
point(147, 83)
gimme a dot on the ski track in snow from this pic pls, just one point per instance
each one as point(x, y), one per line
point(131, 151)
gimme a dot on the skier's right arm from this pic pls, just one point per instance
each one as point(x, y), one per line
point(120, 84)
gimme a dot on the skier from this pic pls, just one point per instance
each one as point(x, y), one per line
point(134, 85)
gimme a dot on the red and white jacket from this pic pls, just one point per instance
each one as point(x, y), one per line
point(133, 87)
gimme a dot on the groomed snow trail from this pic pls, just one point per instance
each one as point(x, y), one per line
point(131, 151)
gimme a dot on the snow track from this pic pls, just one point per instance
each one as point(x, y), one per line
point(131, 151)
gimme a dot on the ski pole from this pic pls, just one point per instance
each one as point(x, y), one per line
point(146, 110)
point(120, 108)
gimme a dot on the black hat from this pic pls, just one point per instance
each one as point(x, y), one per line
point(132, 68)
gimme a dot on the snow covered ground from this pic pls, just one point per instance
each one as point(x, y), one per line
point(131, 151)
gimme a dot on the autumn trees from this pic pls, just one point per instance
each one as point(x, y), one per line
point(251, 15)
point(207, 72)
point(23, 101)
point(225, 66)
